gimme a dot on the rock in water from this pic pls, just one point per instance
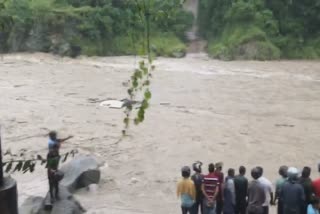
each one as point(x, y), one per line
point(66, 204)
point(31, 205)
point(66, 207)
point(80, 172)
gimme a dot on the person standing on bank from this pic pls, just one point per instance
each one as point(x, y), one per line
point(316, 184)
point(267, 189)
point(53, 140)
point(220, 197)
point(210, 190)
point(292, 194)
point(256, 194)
point(241, 187)
point(54, 176)
point(283, 172)
point(306, 183)
point(229, 202)
point(197, 178)
point(186, 191)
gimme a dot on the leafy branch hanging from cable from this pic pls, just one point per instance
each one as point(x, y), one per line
point(27, 164)
point(140, 80)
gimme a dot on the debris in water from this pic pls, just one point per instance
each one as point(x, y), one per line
point(118, 104)
point(284, 125)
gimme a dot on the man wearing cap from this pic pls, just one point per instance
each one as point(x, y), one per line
point(186, 191)
point(220, 197)
point(316, 184)
point(292, 194)
point(210, 190)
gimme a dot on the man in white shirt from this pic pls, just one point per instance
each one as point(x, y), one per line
point(267, 185)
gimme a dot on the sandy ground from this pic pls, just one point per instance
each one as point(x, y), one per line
point(250, 113)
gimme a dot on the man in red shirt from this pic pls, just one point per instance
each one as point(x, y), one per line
point(316, 184)
point(210, 189)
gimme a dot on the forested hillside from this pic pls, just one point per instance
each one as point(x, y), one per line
point(92, 27)
point(234, 29)
point(261, 29)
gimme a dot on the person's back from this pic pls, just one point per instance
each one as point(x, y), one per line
point(306, 183)
point(210, 190)
point(241, 189)
point(220, 176)
point(308, 189)
point(267, 189)
point(256, 194)
point(186, 191)
point(279, 184)
point(316, 184)
point(210, 183)
point(197, 178)
point(53, 159)
point(229, 194)
point(316, 187)
point(292, 194)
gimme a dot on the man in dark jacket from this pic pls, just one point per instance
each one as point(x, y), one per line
point(283, 172)
point(197, 178)
point(292, 194)
point(220, 175)
point(54, 176)
point(306, 183)
point(241, 187)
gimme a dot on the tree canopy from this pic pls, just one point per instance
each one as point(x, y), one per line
point(90, 27)
point(261, 29)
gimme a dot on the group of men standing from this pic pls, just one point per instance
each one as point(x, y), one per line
point(214, 194)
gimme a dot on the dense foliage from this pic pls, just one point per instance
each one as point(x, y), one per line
point(261, 29)
point(91, 27)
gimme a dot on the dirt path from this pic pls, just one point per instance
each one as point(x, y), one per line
point(251, 113)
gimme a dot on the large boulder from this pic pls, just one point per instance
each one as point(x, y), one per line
point(66, 204)
point(80, 172)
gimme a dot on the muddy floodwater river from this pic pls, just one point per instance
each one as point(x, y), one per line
point(242, 113)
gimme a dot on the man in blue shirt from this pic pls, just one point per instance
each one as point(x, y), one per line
point(53, 140)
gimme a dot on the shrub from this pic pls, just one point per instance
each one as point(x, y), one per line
point(168, 45)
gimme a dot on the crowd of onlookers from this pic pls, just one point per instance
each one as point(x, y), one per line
point(213, 193)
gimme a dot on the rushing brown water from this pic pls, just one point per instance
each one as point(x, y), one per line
point(243, 112)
